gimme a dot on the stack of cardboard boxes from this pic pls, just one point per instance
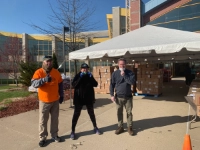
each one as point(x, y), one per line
point(149, 79)
point(103, 74)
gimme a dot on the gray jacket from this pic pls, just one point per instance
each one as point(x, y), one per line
point(122, 84)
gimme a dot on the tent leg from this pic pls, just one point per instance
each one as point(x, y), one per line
point(70, 85)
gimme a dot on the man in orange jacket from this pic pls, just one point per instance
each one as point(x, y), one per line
point(50, 92)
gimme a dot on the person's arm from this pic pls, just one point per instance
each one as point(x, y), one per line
point(129, 77)
point(76, 81)
point(61, 92)
point(37, 81)
point(112, 85)
point(93, 81)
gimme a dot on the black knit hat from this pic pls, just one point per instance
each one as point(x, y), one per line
point(84, 65)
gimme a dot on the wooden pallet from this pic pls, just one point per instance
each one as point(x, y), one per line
point(146, 95)
point(101, 93)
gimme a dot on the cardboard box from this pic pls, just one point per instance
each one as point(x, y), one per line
point(105, 68)
point(96, 74)
point(142, 66)
point(151, 72)
point(107, 91)
point(145, 72)
point(107, 82)
point(151, 65)
point(143, 80)
point(97, 79)
point(95, 69)
point(100, 86)
point(139, 91)
point(97, 90)
point(197, 98)
point(156, 76)
point(129, 67)
point(139, 72)
point(156, 81)
point(192, 91)
point(158, 72)
point(106, 86)
point(105, 75)
point(146, 76)
point(138, 85)
point(195, 84)
point(198, 110)
point(139, 76)
point(103, 79)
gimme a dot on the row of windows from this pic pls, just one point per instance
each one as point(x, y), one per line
point(186, 25)
point(183, 18)
point(40, 47)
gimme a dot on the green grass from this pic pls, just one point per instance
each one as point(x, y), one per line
point(4, 87)
point(2, 108)
point(13, 94)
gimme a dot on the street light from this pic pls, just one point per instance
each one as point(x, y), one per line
point(65, 29)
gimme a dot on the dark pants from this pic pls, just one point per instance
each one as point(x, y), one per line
point(128, 104)
point(77, 112)
point(188, 79)
point(193, 76)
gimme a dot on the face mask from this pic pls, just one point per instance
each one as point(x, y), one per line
point(121, 69)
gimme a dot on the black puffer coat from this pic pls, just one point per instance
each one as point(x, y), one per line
point(83, 89)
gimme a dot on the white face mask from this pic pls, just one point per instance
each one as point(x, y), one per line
point(121, 69)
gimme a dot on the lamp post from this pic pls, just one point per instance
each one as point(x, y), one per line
point(65, 29)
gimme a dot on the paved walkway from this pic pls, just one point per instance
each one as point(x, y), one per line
point(159, 124)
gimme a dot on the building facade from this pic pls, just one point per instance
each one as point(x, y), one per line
point(37, 46)
point(174, 14)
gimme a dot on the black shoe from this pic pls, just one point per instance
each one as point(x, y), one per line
point(42, 143)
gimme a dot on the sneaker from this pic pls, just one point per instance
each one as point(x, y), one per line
point(119, 130)
point(72, 135)
point(96, 131)
point(130, 130)
point(42, 143)
point(56, 139)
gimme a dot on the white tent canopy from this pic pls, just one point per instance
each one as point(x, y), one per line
point(149, 42)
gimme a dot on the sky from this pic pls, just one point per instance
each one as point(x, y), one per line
point(14, 14)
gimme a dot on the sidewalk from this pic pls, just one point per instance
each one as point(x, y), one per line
point(159, 124)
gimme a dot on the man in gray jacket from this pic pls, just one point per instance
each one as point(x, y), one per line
point(121, 82)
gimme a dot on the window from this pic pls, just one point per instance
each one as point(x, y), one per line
point(186, 17)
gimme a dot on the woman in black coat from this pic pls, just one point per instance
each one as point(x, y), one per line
point(83, 84)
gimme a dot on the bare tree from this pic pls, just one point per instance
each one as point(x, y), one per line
point(74, 14)
point(11, 56)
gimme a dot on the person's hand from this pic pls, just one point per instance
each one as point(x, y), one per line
point(122, 73)
point(90, 74)
point(61, 100)
point(47, 78)
point(82, 74)
point(113, 99)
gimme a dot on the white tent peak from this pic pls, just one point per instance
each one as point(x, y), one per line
point(142, 41)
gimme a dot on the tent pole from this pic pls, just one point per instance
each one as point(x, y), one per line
point(70, 85)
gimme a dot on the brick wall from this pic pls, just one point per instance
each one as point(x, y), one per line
point(135, 14)
point(152, 15)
